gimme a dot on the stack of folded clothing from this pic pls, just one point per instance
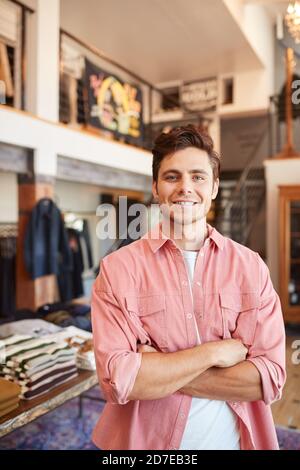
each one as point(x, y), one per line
point(85, 358)
point(67, 314)
point(37, 364)
point(9, 396)
point(82, 342)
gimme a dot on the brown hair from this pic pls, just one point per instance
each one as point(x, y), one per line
point(180, 138)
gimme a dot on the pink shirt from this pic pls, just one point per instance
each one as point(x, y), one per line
point(142, 294)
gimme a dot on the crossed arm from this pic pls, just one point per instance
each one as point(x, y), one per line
point(241, 382)
point(202, 372)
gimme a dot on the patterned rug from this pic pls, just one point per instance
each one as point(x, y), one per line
point(63, 429)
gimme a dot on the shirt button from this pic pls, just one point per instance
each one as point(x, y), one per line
point(198, 283)
point(189, 316)
point(182, 415)
point(201, 253)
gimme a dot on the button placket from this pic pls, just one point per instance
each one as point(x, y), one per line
point(186, 293)
point(198, 294)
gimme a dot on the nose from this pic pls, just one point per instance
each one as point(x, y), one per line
point(185, 186)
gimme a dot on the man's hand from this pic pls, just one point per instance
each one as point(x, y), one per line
point(144, 348)
point(228, 352)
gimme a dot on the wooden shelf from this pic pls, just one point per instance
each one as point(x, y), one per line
point(287, 196)
point(28, 410)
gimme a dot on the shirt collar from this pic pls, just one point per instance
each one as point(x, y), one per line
point(156, 238)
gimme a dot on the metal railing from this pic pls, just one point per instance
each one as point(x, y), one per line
point(74, 93)
point(238, 213)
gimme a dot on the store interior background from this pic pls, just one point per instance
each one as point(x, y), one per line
point(48, 148)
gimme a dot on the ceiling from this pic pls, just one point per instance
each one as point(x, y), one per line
point(272, 6)
point(163, 40)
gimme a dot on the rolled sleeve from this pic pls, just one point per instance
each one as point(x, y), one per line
point(115, 344)
point(267, 352)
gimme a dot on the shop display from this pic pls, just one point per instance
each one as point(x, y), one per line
point(290, 252)
point(37, 365)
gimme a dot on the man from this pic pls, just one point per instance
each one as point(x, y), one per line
point(188, 330)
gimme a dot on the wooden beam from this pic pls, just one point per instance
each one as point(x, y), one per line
point(71, 169)
point(15, 159)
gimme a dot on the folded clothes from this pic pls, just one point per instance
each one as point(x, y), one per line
point(82, 342)
point(8, 390)
point(32, 371)
point(79, 309)
point(47, 378)
point(31, 346)
point(8, 403)
point(57, 317)
point(46, 371)
point(48, 308)
point(14, 339)
point(36, 365)
point(46, 388)
point(34, 328)
point(36, 355)
point(9, 409)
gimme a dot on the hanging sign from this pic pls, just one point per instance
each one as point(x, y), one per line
point(113, 105)
point(200, 95)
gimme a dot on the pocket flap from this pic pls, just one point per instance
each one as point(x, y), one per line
point(145, 305)
point(239, 302)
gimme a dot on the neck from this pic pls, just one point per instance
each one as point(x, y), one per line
point(189, 237)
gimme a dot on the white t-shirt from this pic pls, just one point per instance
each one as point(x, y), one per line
point(211, 424)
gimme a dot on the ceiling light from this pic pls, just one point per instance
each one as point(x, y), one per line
point(292, 20)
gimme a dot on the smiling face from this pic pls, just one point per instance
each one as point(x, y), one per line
point(185, 186)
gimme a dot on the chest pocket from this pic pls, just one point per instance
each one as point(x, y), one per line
point(239, 315)
point(149, 315)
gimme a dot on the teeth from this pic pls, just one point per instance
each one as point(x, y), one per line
point(185, 203)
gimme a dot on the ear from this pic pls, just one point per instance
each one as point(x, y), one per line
point(154, 190)
point(215, 188)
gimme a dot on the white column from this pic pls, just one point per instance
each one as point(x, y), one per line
point(42, 85)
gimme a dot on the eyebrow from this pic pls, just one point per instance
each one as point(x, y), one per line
point(179, 172)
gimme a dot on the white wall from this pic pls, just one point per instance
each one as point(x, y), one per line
point(50, 139)
point(253, 88)
point(8, 197)
point(284, 171)
point(82, 199)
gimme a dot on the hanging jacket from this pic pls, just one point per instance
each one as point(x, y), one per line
point(46, 248)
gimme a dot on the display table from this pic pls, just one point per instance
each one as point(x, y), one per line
point(28, 410)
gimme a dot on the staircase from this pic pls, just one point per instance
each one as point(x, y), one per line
point(241, 200)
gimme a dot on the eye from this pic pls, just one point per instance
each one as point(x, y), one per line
point(171, 178)
point(198, 178)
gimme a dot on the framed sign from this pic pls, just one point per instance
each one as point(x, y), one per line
point(200, 95)
point(113, 105)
